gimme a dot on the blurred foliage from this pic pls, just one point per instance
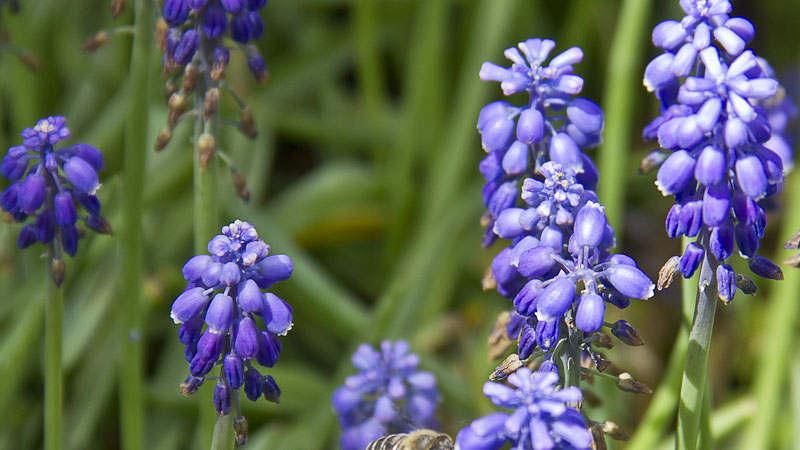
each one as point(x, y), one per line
point(365, 173)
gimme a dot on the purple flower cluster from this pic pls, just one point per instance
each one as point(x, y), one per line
point(388, 395)
point(543, 416)
point(719, 155)
point(50, 184)
point(553, 125)
point(224, 294)
point(196, 23)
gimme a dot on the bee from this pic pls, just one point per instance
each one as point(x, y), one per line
point(416, 440)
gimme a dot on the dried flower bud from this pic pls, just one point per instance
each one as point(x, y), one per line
point(600, 363)
point(506, 368)
point(745, 284)
point(98, 224)
point(667, 272)
point(793, 243)
point(488, 282)
point(176, 105)
point(210, 103)
point(603, 340)
point(59, 268)
point(626, 333)
point(190, 385)
point(240, 183)
point(163, 139)
point(189, 78)
point(96, 41)
point(240, 430)
point(170, 87)
point(206, 145)
point(117, 8)
point(248, 125)
point(793, 261)
point(627, 383)
point(613, 431)
point(652, 161)
point(499, 342)
point(598, 438)
point(161, 34)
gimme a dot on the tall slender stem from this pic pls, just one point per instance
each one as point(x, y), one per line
point(696, 369)
point(53, 383)
point(130, 364)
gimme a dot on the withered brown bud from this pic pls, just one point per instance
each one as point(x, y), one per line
point(793, 243)
point(96, 41)
point(603, 340)
point(240, 430)
point(248, 125)
point(651, 161)
point(745, 284)
point(627, 383)
point(176, 106)
point(488, 282)
point(613, 431)
point(206, 145)
point(161, 34)
point(189, 78)
point(240, 183)
point(190, 385)
point(163, 139)
point(598, 438)
point(59, 268)
point(667, 272)
point(117, 8)
point(499, 342)
point(486, 219)
point(210, 103)
point(506, 368)
point(793, 261)
point(170, 87)
point(99, 225)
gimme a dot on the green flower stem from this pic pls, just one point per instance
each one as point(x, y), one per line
point(696, 368)
point(725, 421)
point(53, 383)
point(223, 433)
point(130, 362)
point(661, 411)
point(623, 73)
point(780, 320)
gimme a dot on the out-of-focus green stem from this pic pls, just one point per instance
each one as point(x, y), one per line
point(624, 72)
point(773, 360)
point(725, 421)
point(53, 383)
point(223, 433)
point(130, 363)
point(696, 368)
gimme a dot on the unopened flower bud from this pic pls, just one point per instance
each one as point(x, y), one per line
point(163, 138)
point(726, 283)
point(206, 145)
point(626, 333)
point(240, 183)
point(176, 106)
point(793, 243)
point(189, 78)
point(190, 385)
point(652, 161)
point(240, 430)
point(613, 431)
point(170, 87)
point(745, 284)
point(99, 224)
point(222, 399)
point(506, 368)
point(162, 28)
point(117, 8)
point(96, 41)
point(765, 268)
point(221, 58)
point(627, 383)
point(248, 125)
point(59, 268)
point(272, 393)
point(210, 103)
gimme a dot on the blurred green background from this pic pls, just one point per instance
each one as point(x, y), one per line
point(365, 173)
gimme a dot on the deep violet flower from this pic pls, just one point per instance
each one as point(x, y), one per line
point(224, 293)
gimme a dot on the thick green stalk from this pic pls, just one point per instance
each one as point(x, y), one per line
point(623, 74)
point(661, 410)
point(772, 366)
point(223, 433)
point(130, 364)
point(53, 383)
point(696, 369)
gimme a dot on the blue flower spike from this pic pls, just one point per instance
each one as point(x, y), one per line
point(225, 318)
point(49, 185)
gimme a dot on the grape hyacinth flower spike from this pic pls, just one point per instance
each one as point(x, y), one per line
point(543, 417)
point(719, 154)
point(554, 124)
point(220, 313)
point(196, 38)
point(387, 396)
point(52, 186)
